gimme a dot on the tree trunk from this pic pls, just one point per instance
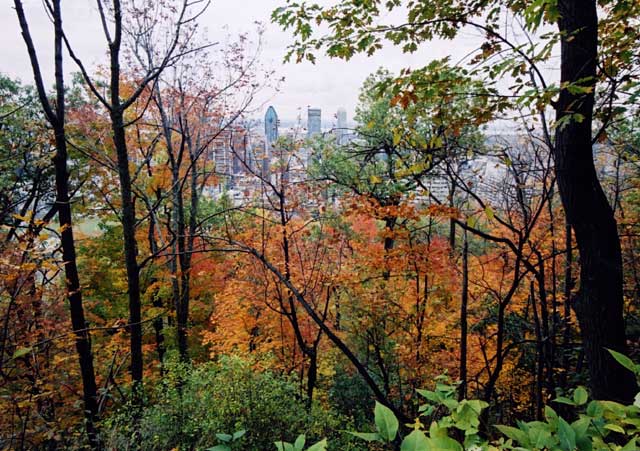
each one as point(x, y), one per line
point(599, 306)
point(72, 280)
point(130, 247)
point(463, 318)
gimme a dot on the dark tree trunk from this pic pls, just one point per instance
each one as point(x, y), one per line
point(128, 220)
point(463, 318)
point(158, 323)
point(72, 280)
point(599, 305)
point(566, 314)
point(539, 365)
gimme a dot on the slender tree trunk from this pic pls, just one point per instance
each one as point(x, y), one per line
point(158, 324)
point(540, 354)
point(130, 245)
point(463, 317)
point(72, 279)
point(599, 306)
point(566, 314)
point(128, 216)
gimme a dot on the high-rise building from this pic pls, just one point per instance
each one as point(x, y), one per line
point(341, 125)
point(314, 121)
point(271, 125)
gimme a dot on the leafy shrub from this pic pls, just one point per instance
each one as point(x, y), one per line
point(197, 404)
point(599, 425)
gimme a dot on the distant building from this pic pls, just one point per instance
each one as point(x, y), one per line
point(271, 123)
point(341, 125)
point(314, 121)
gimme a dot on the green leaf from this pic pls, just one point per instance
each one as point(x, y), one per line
point(299, 443)
point(386, 422)
point(581, 426)
point(238, 434)
point(563, 400)
point(539, 436)
point(631, 445)
point(444, 444)
point(514, 434)
point(566, 435)
point(550, 415)
point(595, 410)
point(21, 352)
point(219, 448)
point(580, 396)
point(368, 436)
point(320, 446)
point(614, 428)
point(624, 361)
point(284, 446)
point(224, 437)
point(416, 441)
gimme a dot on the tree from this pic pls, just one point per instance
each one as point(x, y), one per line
point(55, 114)
point(138, 23)
point(356, 27)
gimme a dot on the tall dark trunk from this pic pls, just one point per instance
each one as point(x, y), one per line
point(463, 318)
point(566, 313)
point(599, 305)
point(158, 323)
point(72, 280)
point(128, 216)
point(128, 220)
point(540, 354)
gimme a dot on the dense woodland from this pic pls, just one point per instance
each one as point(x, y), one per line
point(346, 303)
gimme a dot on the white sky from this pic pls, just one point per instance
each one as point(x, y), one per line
point(329, 84)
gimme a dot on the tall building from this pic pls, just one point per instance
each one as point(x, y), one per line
point(314, 121)
point(341, 125)
point(271, 125)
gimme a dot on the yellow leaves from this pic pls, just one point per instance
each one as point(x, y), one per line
point(397, 137)
point(488, 211)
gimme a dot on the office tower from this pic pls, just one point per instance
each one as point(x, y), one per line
point(271, 125)
point(314, 121)
point(341, 125)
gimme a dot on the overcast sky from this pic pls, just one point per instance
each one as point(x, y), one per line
point(329, 84)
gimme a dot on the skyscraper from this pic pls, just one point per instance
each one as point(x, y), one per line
point(314, 121)
point(271, 125)
point(341, 125)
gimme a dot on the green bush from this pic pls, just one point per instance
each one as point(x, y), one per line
point(195, 405)
point(447, 424)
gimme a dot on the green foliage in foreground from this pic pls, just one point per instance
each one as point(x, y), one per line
point(209, 405)
point(228, 406)
point(454, 425)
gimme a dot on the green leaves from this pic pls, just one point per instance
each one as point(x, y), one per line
point(21, 352)
point(566, 435)
point(227, 440)
point(416, 441)
point(367, 436)
point(386, 422)
point(624, 361)
point(220, 448)
point(298, 445)
point(580, 396)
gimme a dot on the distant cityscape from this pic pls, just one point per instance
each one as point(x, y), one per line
point(244, 156)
